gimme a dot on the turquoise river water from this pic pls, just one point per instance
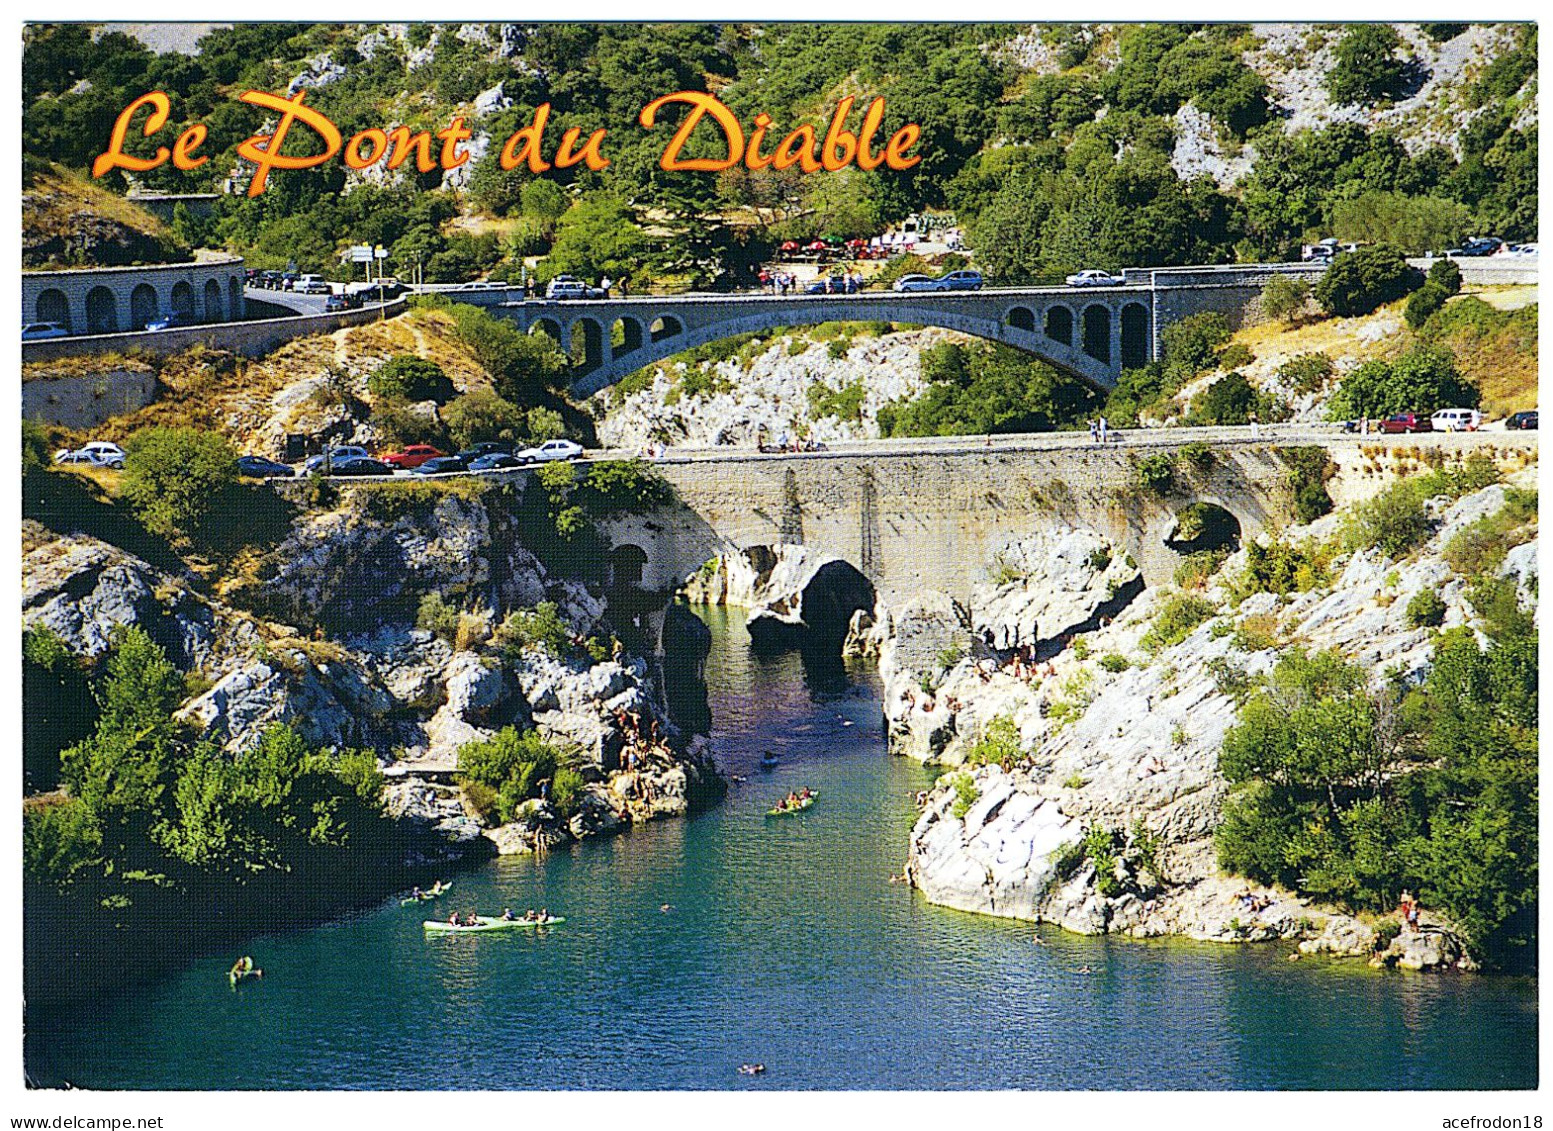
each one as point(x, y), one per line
point(783, 942)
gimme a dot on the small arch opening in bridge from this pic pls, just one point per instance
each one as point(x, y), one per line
point(1204, 528)
point(142, 306)
point(664, 327)
point(547, 326)
point(53, 306)
point(626, 563)
point(182, 301)
point(1097, 332)
point(234, 291)
point(102, 311)
point(213, 301)
point(1135, 336)
point(587, 352)
point(1022, 318)
point(625, 336)
point(1059, 325)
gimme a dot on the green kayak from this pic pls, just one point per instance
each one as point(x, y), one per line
point(426, 896)
point(806, 803)
point(488, 923)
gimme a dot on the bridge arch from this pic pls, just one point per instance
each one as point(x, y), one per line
point(666, 326)
point(1097, 332)
point(234, 291)
point(182, 301)
point(102, 311)
point(142, 305)
point(587, 344)
point(1059, 324)
point(625, 336)
point(547, 326)
point(1021, 318)
point(53, 306)
point(1135, 336)
point(213, 301)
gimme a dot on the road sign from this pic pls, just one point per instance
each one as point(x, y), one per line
point(360, 253)
point(380, 253)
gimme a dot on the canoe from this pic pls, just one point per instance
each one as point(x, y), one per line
point(806, 803)
point(488, 923)
point(426, 896)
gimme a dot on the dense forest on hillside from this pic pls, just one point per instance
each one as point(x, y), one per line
point(1049, 167)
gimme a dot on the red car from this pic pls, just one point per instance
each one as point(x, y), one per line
point(413, 456)
point(1406, 422)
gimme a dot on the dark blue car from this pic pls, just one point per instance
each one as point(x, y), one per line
point(257, 467)
point(442, 465)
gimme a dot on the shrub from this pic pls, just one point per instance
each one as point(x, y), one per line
point(1424, 302)
point(539, 627)
point(1280, 567)
point(845, 403)
point(1235, 355)
point(1482, 546)
point(1234, 400)
point(566, 792)
point(1174, 622)
point(1196, 457)
point(1425, 610)
point(999, 744)
point(1196, 568)
point(1445, 274)
point(1257, 633)
point(1367, 70)
point(1307, 372)
point(1114, 662)
point(1393, 521)
point(1423, 379)
point(1310, 469)
point(480, 415)
point(1283, 297)
point(438, 616)
point(1100, 558)
point(410, 378)
point(512, 765)
point(965, 795)
point(1360, 281)
point(176, 478)
point(1156, 474)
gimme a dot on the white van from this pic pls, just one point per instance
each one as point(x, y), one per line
point(1456, 420)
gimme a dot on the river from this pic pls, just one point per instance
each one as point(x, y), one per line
point(693, 946)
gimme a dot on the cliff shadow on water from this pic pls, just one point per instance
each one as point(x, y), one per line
point(818, 625)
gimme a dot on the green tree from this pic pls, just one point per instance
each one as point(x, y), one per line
point(1367, 70)
point(1422, 380)
point(175, 478)
point(480, 415)
point(1283, 297)
point(597, 238)
point(1360, 281)
point(407, 377)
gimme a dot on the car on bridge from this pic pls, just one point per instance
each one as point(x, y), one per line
point(551, 450)
point(487, 448)
point(412, 456)
point(571, 287)
point(41, 331)
point(1406, 422)
point(258, 467)
point(1476, 248)
point(954, 281)
point(442, 465)
point(1095, 279)
point(99, 453)
point(313, 285)
point(362, 465)
point(336, 456)
point(495, 461)
point(174, 320)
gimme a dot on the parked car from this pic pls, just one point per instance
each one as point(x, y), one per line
point(551, 450)
point(495, 461)
point(1456, 420)
point(412, 456)
point(571, 287)
point(1406, 422)
point(442, 465)
point(909, 283)
point(336, 456)
point(362, 465)
point(1095, 279)
point(1475, 248)
point(99, 453)
point(486, 448)
point(257, 467)
point(313, 285)
point(269, 280)
point(1522, 421)
point(171, 321)
point(336, 303)
point(40, 331)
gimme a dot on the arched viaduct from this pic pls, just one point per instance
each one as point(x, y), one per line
point(1092, 334)
point(928, 520)
point(113, 300)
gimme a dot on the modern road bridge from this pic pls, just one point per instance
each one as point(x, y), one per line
point(1092, 333)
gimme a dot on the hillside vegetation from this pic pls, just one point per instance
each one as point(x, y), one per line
point(69, 221)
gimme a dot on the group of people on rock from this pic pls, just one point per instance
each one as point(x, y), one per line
point(1407, 908)
point(1253, 903)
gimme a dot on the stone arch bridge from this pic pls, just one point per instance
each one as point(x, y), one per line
point(1090, 333)
point(911, 520)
